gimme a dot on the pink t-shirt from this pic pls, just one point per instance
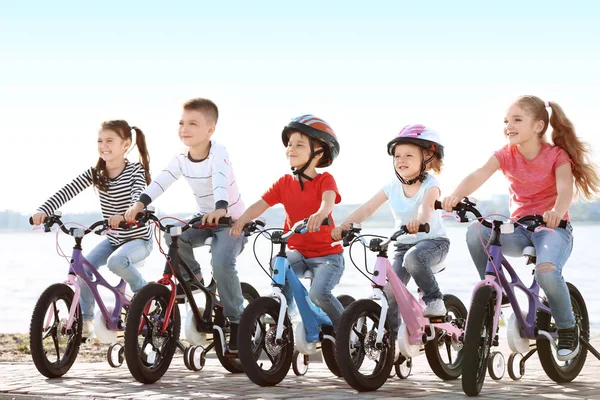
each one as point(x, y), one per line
point(532, 183)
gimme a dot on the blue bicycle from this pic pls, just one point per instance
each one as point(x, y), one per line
point(266, 334)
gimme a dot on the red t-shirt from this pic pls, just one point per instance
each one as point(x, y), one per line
point(532, 183)
point(300, 204)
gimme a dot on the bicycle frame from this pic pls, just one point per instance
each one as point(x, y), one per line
point(526, 326)
point(77, 269)
point(312, 316)
point(203, 321)
point(410, 309)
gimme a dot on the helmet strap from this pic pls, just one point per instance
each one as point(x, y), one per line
point(300, 171)
point(422, 174)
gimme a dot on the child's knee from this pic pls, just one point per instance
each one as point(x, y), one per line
point(545, 268)
point(473, 235)
point(117, 263)
point(318, 297)
point(545, 274)
point(414, 261)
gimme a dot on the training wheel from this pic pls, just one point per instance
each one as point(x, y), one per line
point(300, 363)
point(115, 355)
point(186, 357)
point(404, 368)
point(516, 366)
point(496, 365)
point(197, 358)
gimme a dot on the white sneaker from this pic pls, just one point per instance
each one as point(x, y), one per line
point(435, 308)
point(87, 329)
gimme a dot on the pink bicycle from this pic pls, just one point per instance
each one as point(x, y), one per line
point(365, 343)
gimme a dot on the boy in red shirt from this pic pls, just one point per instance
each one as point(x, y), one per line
point(311, 143)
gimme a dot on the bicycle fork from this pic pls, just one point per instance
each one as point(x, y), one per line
point(70, 281)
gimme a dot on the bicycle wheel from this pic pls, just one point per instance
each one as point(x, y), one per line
point(53, 347)
point(233, 365)
point(148, 352)
point(444, 353)
point(265, 360)
point(478, 340)
point(364, 364)
point(564, 371)
point(327, 346)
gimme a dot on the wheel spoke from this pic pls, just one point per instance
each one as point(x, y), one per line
point(55, 310)
point(56, 346)
point(449, 351)
point(358, 334)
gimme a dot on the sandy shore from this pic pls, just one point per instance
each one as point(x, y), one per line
point(14, 347)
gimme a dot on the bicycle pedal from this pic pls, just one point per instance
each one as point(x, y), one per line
point(437, 320)
point(229, 354)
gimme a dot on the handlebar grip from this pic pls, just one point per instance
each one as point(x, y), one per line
point(225, 221)
point(46, 219)
point(126, 225)
point(326, 222)
point(422, 228)
point(437, 205)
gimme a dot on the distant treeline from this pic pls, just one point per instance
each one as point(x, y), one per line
point(580, 212)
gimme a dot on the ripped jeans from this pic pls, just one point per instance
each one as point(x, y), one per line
point(552, 249)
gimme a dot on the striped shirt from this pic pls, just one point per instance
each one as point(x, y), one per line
point(212, 181)
point(122, 192)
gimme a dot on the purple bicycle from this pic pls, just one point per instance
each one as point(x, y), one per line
point(56, 324)
point(533, 324)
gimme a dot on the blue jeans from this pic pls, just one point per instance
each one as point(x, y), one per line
point(120, 260)
point(415, 259)
point(551, 247)
point(224, 250)
point(327, 271)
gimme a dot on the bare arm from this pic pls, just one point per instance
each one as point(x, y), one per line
point(327, 203)
point(366, 210)
point(564, 189)
point(471, 183)
point(252, 212)
point(425, 209)
point(359, 215)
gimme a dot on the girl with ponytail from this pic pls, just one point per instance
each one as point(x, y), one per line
point(118, 183)
point(543, 179)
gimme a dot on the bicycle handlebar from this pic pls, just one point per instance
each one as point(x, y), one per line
point(466, 205)
point(55, 219)
point(196, 222)
point(298, 227)
point(376, 244)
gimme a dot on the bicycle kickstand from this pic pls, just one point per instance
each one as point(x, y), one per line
point(590, 348)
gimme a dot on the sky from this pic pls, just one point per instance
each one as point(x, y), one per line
point(367, 68)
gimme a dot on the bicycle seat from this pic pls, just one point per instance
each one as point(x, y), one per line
point(529, 253)
point(438, 267)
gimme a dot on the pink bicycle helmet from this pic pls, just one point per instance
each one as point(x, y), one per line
point(418, 135)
